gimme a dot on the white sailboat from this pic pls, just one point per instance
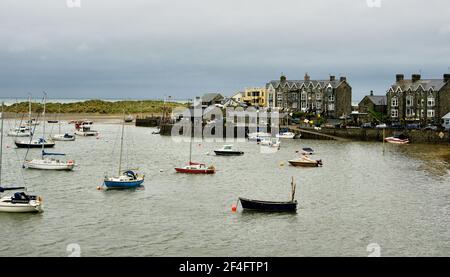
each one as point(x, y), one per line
point(19, 202)
point(62, 136)
point(45, 162)
point(23, 130)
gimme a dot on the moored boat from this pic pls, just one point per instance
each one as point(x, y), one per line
point(127, 179)
point(35, 143)
point(63, 137)
point(227, 150)
point(83, 128)
point(271, 206)
point(399, 139)
point(307, 151)
point(22, 131)
point(20, 202)
point(196, 168)
point(271, 142)
point(124, 179)
point(305, 161)
point(258, 136)
point(286, 135)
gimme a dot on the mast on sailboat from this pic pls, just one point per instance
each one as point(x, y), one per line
point(43, 127)
point(1, 145)
point(121, 144)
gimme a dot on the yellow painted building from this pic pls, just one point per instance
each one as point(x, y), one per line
point(255, 97)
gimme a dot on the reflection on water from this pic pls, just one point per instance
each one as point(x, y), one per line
point(397, 199)
point(434, 159)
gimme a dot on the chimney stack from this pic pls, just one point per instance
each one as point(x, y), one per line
point(415, 77)
point(371, 93)
point(307, 78)
point(446, 78)
point(332, 78)
point(283, 78)
point(399, 77)
point(343, 79)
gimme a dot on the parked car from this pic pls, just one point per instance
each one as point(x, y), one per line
point(412, 126)
point(396, 125)
point(430, 127)
point(367, 125)
point(381, 126)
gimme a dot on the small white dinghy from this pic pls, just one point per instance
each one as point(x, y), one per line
point(271, 142)
point(63, 137)
point(286, 135)
point(22, 131)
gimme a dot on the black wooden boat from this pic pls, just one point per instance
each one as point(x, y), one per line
point(268, 206)
point(271, 206)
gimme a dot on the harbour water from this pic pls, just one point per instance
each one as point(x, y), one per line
point(398, 198)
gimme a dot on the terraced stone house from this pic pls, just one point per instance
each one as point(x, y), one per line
point(332, 98)
point(416, 100)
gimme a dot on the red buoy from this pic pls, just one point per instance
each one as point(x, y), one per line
point(233, 208)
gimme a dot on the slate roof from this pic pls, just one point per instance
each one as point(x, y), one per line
point(299, 83)
point(378, 100)
point(208, 97)
point(427, 84)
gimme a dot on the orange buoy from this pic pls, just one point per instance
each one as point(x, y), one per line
point(233, 208)
point(99, 188)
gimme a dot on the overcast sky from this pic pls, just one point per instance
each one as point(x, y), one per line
point(183, 48)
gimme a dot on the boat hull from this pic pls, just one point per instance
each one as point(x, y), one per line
point(194, 171)
point(63, 138)
point(34, 145)
point(268, 206)
point(304, 163)
point(86, 134)
point(396, 140)
point(41, 165)
point(31, 207)
point(228, 153)
point(123, 184)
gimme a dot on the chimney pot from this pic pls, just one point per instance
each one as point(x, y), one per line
point(399, 77)
point(332, 78)
point(283, 78)
point(307, 78)
point(343, 79)
point(415, 77)
point(446, 77)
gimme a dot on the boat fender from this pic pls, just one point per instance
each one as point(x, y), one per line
point(39, 199)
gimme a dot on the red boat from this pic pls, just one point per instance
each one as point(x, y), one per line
point(196, 168)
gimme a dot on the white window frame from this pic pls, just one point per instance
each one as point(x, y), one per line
point(394, 101)
point(431, 102)
point(394, 113)
point(431, 113)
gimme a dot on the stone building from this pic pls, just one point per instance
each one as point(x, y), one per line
point(332, 98)
point(376, 103)
point(416, 100)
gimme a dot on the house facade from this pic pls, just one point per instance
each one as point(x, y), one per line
point(255, 97)
point(417, 100)
point(331, 97)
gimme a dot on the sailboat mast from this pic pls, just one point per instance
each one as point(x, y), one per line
point(121, 144)
point(1, 146)
point(43, 126)
point(190, 150)
point(29, 110)
point(59, 119)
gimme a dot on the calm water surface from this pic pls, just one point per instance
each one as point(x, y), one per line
point(398, 199)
